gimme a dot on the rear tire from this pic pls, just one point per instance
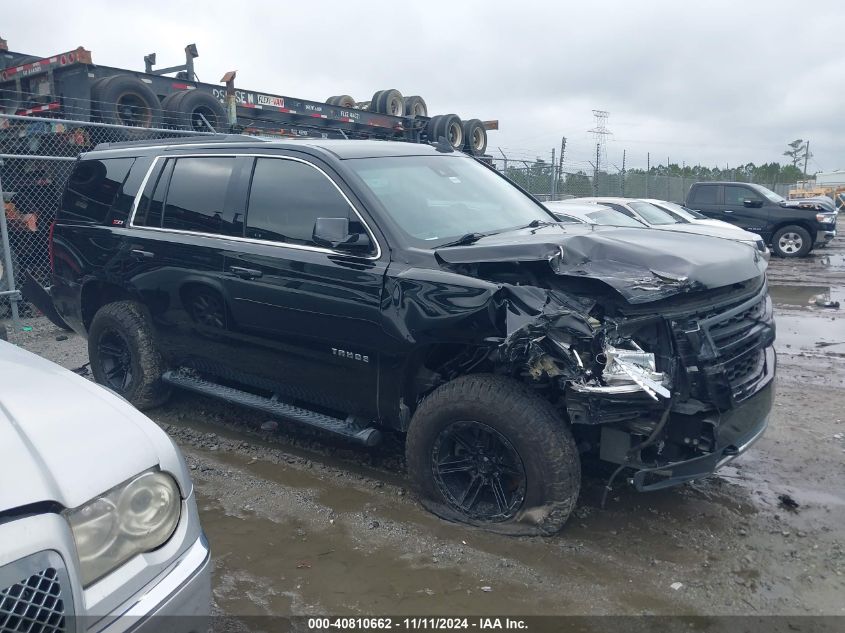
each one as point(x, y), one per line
point(186, 109)
point(342, 101)
point(792, 241)
point(124, 355)
point(524, 458)
point(388, 102)
point(475, 136)
point(446, 126)
point(126, 100)
point(415, 106)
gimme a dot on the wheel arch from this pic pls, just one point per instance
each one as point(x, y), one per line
point(97, 293)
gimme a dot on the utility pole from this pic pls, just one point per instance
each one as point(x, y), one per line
point(667, 177)
point(552, 177)
point(806, 158)
point(596, 171)
point(623, 173)
point(560, 166)
point(647, 171)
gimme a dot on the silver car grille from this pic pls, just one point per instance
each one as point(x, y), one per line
point(35, 595)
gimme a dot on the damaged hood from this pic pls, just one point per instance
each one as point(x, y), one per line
point(641, 264)
point(826, 203)
point(65, 439)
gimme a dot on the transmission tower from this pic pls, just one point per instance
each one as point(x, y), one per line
point(600, 134)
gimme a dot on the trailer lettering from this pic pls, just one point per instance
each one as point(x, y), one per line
point(350, 114)
point(276, 102)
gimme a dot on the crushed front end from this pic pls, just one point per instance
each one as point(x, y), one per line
point(676, 396)
point(658, 349)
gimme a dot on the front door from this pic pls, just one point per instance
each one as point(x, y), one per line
point(310, 316)
point(752, 218)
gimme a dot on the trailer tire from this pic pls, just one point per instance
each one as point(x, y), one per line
point(475, 137)
point(342, 101)
point(388, 102)
point(415, 106)
point(183, 110)
point(124, 355)
point(448, 126)
point(125, 100)
point(496, 431)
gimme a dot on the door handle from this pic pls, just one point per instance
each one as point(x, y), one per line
point(141, 254)
point(245, 273)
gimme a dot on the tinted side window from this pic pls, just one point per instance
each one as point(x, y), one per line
point(705, 194)
point(735, 195)
point(93, 187)
point(198, 197)
point(150, 204)
point(286, 198)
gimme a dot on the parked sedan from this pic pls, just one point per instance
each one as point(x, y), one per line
point(573, 211)
point(98, 522)
point(684, 214)
point(655, 217)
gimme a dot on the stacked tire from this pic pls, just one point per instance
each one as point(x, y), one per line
point(194, 110)
point(125, 100)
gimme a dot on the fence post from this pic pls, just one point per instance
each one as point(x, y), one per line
point(7, 255)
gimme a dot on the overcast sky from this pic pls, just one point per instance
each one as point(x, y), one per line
point(712, 83)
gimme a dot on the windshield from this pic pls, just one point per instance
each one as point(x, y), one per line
point(771, 195)
point(687, 214)
point(435, 199)
point(653, 214)
point(609, 217)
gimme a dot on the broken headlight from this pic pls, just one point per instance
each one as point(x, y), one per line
point(626, 367)
point(135, 517)
point(628, 371)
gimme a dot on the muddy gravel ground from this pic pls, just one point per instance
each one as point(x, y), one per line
point(300, 524)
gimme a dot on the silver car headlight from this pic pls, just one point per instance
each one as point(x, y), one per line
point(135, 517)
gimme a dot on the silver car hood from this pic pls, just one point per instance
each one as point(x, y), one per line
point(728, 232)
point(65, 439)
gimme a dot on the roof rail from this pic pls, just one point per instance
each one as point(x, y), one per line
point(184, 140)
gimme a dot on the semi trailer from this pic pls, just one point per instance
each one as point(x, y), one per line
point(70, 85)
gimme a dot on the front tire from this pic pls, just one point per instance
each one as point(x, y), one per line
point(792, 241)
point(486, 451)
point(124, 355)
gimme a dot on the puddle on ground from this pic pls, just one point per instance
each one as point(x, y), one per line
point(266, 567)
point(794, 295)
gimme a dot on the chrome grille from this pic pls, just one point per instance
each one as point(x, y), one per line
point(39, 601)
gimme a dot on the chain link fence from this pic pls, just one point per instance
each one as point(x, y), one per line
point(549, 182)
point(36, 158)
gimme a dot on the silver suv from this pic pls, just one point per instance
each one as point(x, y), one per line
point(98, 522)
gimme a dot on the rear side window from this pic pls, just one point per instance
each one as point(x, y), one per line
point(93, 187)
point(198, 198)
point(286, 198)
point(705, 194)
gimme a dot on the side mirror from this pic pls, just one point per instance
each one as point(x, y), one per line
point(334, 233)
point(752, 203)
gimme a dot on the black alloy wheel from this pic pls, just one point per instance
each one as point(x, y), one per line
point(478, 471)
point(115, 359)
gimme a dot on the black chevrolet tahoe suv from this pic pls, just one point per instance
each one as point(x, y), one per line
point(361, 287)
point(791, 227)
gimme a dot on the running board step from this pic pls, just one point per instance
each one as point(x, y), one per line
point(367, 436)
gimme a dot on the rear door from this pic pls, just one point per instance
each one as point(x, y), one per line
point(312, 314)
point(707, 198)
point(174, 250)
